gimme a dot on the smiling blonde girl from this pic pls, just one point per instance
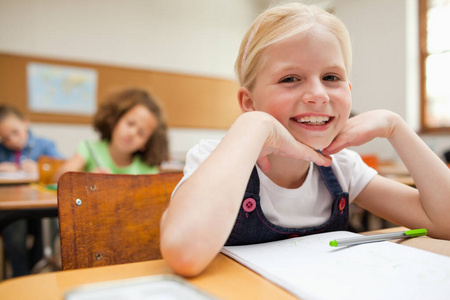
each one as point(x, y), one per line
point(267, 180)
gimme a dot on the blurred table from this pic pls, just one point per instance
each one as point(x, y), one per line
point(19, 201)
point(7, 178)
point(23, 200)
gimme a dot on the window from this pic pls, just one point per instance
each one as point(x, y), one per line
point(434, 21)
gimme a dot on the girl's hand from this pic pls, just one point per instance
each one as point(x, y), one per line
point(102, 170)
point(363, 128)
point(281, 142)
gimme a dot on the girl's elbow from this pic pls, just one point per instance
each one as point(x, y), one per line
point(181, 259)
point(441, 232)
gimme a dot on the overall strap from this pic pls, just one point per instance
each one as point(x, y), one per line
point(330, 180)
point(253, 183)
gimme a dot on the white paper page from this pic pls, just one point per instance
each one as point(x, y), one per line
point(20, 175)
point(311, 269)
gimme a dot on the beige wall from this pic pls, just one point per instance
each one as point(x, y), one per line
point(202, 37)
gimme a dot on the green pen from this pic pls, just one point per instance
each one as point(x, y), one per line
point(378, 237)
point(92, 153)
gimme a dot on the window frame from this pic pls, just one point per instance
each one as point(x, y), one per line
point(423, 53)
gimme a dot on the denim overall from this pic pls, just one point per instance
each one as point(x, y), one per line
point(252, 226)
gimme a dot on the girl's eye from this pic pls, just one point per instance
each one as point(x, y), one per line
point(331, 78)
point(288, 79)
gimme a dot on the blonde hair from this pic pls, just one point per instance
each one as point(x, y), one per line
point(280, 23)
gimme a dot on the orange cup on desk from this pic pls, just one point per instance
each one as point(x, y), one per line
point(371, 160)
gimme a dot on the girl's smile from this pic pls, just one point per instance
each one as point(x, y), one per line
point(313, 121)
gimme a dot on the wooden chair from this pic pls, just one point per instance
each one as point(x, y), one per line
point(47, 167)
point(107, 219)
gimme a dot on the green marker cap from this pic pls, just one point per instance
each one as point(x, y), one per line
point(416, 232)
point(333, 243)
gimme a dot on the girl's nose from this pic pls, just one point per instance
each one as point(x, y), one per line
point(315, 93)
point(134, 132)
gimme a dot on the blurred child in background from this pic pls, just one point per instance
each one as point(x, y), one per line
point(19, 148)
point(19, 151)
point(133, 137)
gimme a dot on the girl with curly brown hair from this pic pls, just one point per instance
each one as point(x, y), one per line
point(133, 137)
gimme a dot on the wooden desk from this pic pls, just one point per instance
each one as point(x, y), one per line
point(20, 201)
point(23, 200)
point(26, 196)
point(224, 278)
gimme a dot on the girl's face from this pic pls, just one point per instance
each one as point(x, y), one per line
point(303, 83)
point(14, 133)
point(134, 129)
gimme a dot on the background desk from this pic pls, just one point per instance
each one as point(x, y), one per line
point(19, 201)
point(224, 278)
point(24, 200)
point(6, 181)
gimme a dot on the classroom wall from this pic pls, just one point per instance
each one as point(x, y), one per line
point(199, 37)
point(202, 37)
point(378, 41)
point(385, 64)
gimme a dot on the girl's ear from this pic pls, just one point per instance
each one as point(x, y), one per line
point(245, 100)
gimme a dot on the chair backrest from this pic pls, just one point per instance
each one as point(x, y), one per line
point(107, 219)
point(47, 167)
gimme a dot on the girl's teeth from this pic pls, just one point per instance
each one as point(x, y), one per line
point(315, 120)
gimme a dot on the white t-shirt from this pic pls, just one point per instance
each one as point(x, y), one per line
point(308, 205)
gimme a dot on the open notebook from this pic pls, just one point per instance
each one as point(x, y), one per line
point(310, 269)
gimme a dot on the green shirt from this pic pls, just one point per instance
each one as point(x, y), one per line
point(100, 149)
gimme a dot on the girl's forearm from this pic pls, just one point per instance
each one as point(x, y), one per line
point(204, 208)
point(431, 175)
